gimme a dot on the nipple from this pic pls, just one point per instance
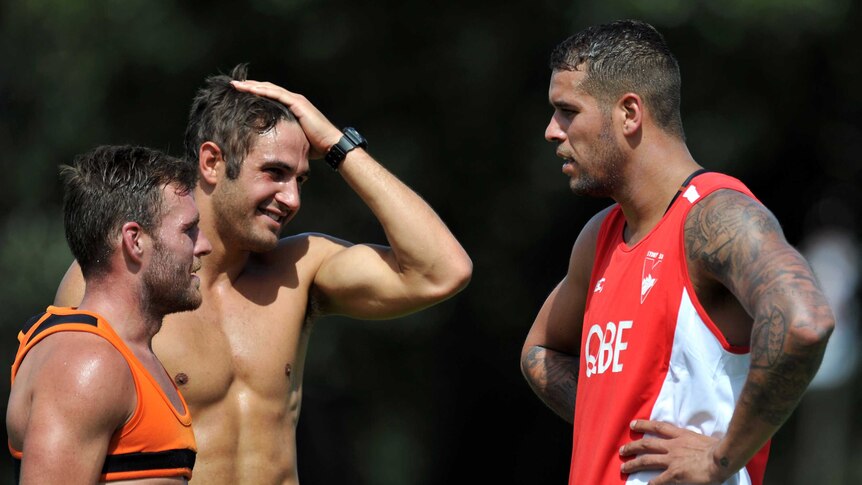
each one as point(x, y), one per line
point(287, 370)
point(181, 379)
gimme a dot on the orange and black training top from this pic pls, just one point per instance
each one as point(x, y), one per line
point(157, 441)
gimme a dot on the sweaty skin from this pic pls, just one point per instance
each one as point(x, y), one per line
point(74, 390)
point(239, 359)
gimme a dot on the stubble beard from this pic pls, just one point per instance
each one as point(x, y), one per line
point(168, 286)
point(236, 228)
point(609, 159)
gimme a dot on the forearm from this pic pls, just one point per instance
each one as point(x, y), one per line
point(421, 244)
point(553, 376)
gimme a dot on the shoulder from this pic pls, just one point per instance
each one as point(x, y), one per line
point(728, 229)
point(82, 361)
point(584, 249)
point(300, 253)
point(305, 248)
point(83, 373)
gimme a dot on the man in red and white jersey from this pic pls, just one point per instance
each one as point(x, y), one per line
point(686, 328)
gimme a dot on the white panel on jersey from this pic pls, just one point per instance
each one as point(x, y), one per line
point(702, 385)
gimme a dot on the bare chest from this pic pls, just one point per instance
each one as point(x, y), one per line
point(233, 343)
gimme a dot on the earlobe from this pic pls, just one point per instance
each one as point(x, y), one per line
point(210, 158)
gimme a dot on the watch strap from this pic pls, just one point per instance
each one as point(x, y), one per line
point(350, 139)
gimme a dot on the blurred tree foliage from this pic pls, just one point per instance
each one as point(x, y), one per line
point(452, 96)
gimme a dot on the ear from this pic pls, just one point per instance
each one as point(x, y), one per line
point(631, 108)
point(133, 242)
point(210, 161)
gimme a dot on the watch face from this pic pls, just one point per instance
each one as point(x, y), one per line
point(355, 137)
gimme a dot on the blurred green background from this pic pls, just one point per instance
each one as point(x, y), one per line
point(453, 98)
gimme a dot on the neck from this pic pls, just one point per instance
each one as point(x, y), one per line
point(120, 304)
point(651, 181)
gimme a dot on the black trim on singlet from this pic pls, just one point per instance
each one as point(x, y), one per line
point(134, 462)
point(684, 185)
point(32, 321)
point(157, 460)
point(55, 320)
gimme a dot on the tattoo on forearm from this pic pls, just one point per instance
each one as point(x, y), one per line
point(767, 338)
point(739, 243)
point(554, 378)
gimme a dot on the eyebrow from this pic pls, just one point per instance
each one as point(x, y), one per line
point(562, 104)
point(277, 163)
point(192, 223)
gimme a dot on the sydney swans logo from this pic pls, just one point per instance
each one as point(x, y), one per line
point(651, 262)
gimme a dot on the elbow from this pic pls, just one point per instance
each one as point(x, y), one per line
point(454, 278)
point(812, 334)
point(462, 273)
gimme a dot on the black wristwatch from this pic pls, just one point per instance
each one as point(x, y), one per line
point(349, 141)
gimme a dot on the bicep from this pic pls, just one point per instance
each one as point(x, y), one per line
point(59, 449)
point(558, 324)
point(365, 281)
point(735, 240)
point(80, 397)
point(71, 289)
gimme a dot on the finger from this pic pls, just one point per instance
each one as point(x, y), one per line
point(267, 90)
point(645, 463)
point(657, 428)
point(645, 445)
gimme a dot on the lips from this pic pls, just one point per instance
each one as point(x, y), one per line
point(276, 215)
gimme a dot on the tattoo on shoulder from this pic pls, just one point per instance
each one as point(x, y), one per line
point(725, 232)
point(737, 241)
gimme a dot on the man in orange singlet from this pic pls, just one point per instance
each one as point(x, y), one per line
point(90, 401)
point(239, 358)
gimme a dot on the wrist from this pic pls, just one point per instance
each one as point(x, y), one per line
point(723, 464)
point(349, 141)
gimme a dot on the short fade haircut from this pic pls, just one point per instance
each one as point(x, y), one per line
point(230, 119)
point(621, 57)
point(109, 186)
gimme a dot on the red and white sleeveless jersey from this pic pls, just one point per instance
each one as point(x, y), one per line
point(649, 350)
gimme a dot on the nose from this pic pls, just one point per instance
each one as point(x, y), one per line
point(202, 245)
point(288, 196)
point(554, 132)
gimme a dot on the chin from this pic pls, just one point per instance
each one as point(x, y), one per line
point(262, 244)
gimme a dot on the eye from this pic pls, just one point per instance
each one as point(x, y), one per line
point(275, 172)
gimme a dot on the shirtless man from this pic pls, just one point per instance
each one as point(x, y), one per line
point(239, 358)
point(90, 402)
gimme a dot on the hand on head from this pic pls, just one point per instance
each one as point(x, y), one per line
point(321, 133)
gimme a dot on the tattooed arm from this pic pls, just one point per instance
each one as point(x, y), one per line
point(550, 357)
point(732, 240)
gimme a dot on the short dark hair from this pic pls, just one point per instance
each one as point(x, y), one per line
point(626, 56)
point(109, 186)
point(230, 118)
